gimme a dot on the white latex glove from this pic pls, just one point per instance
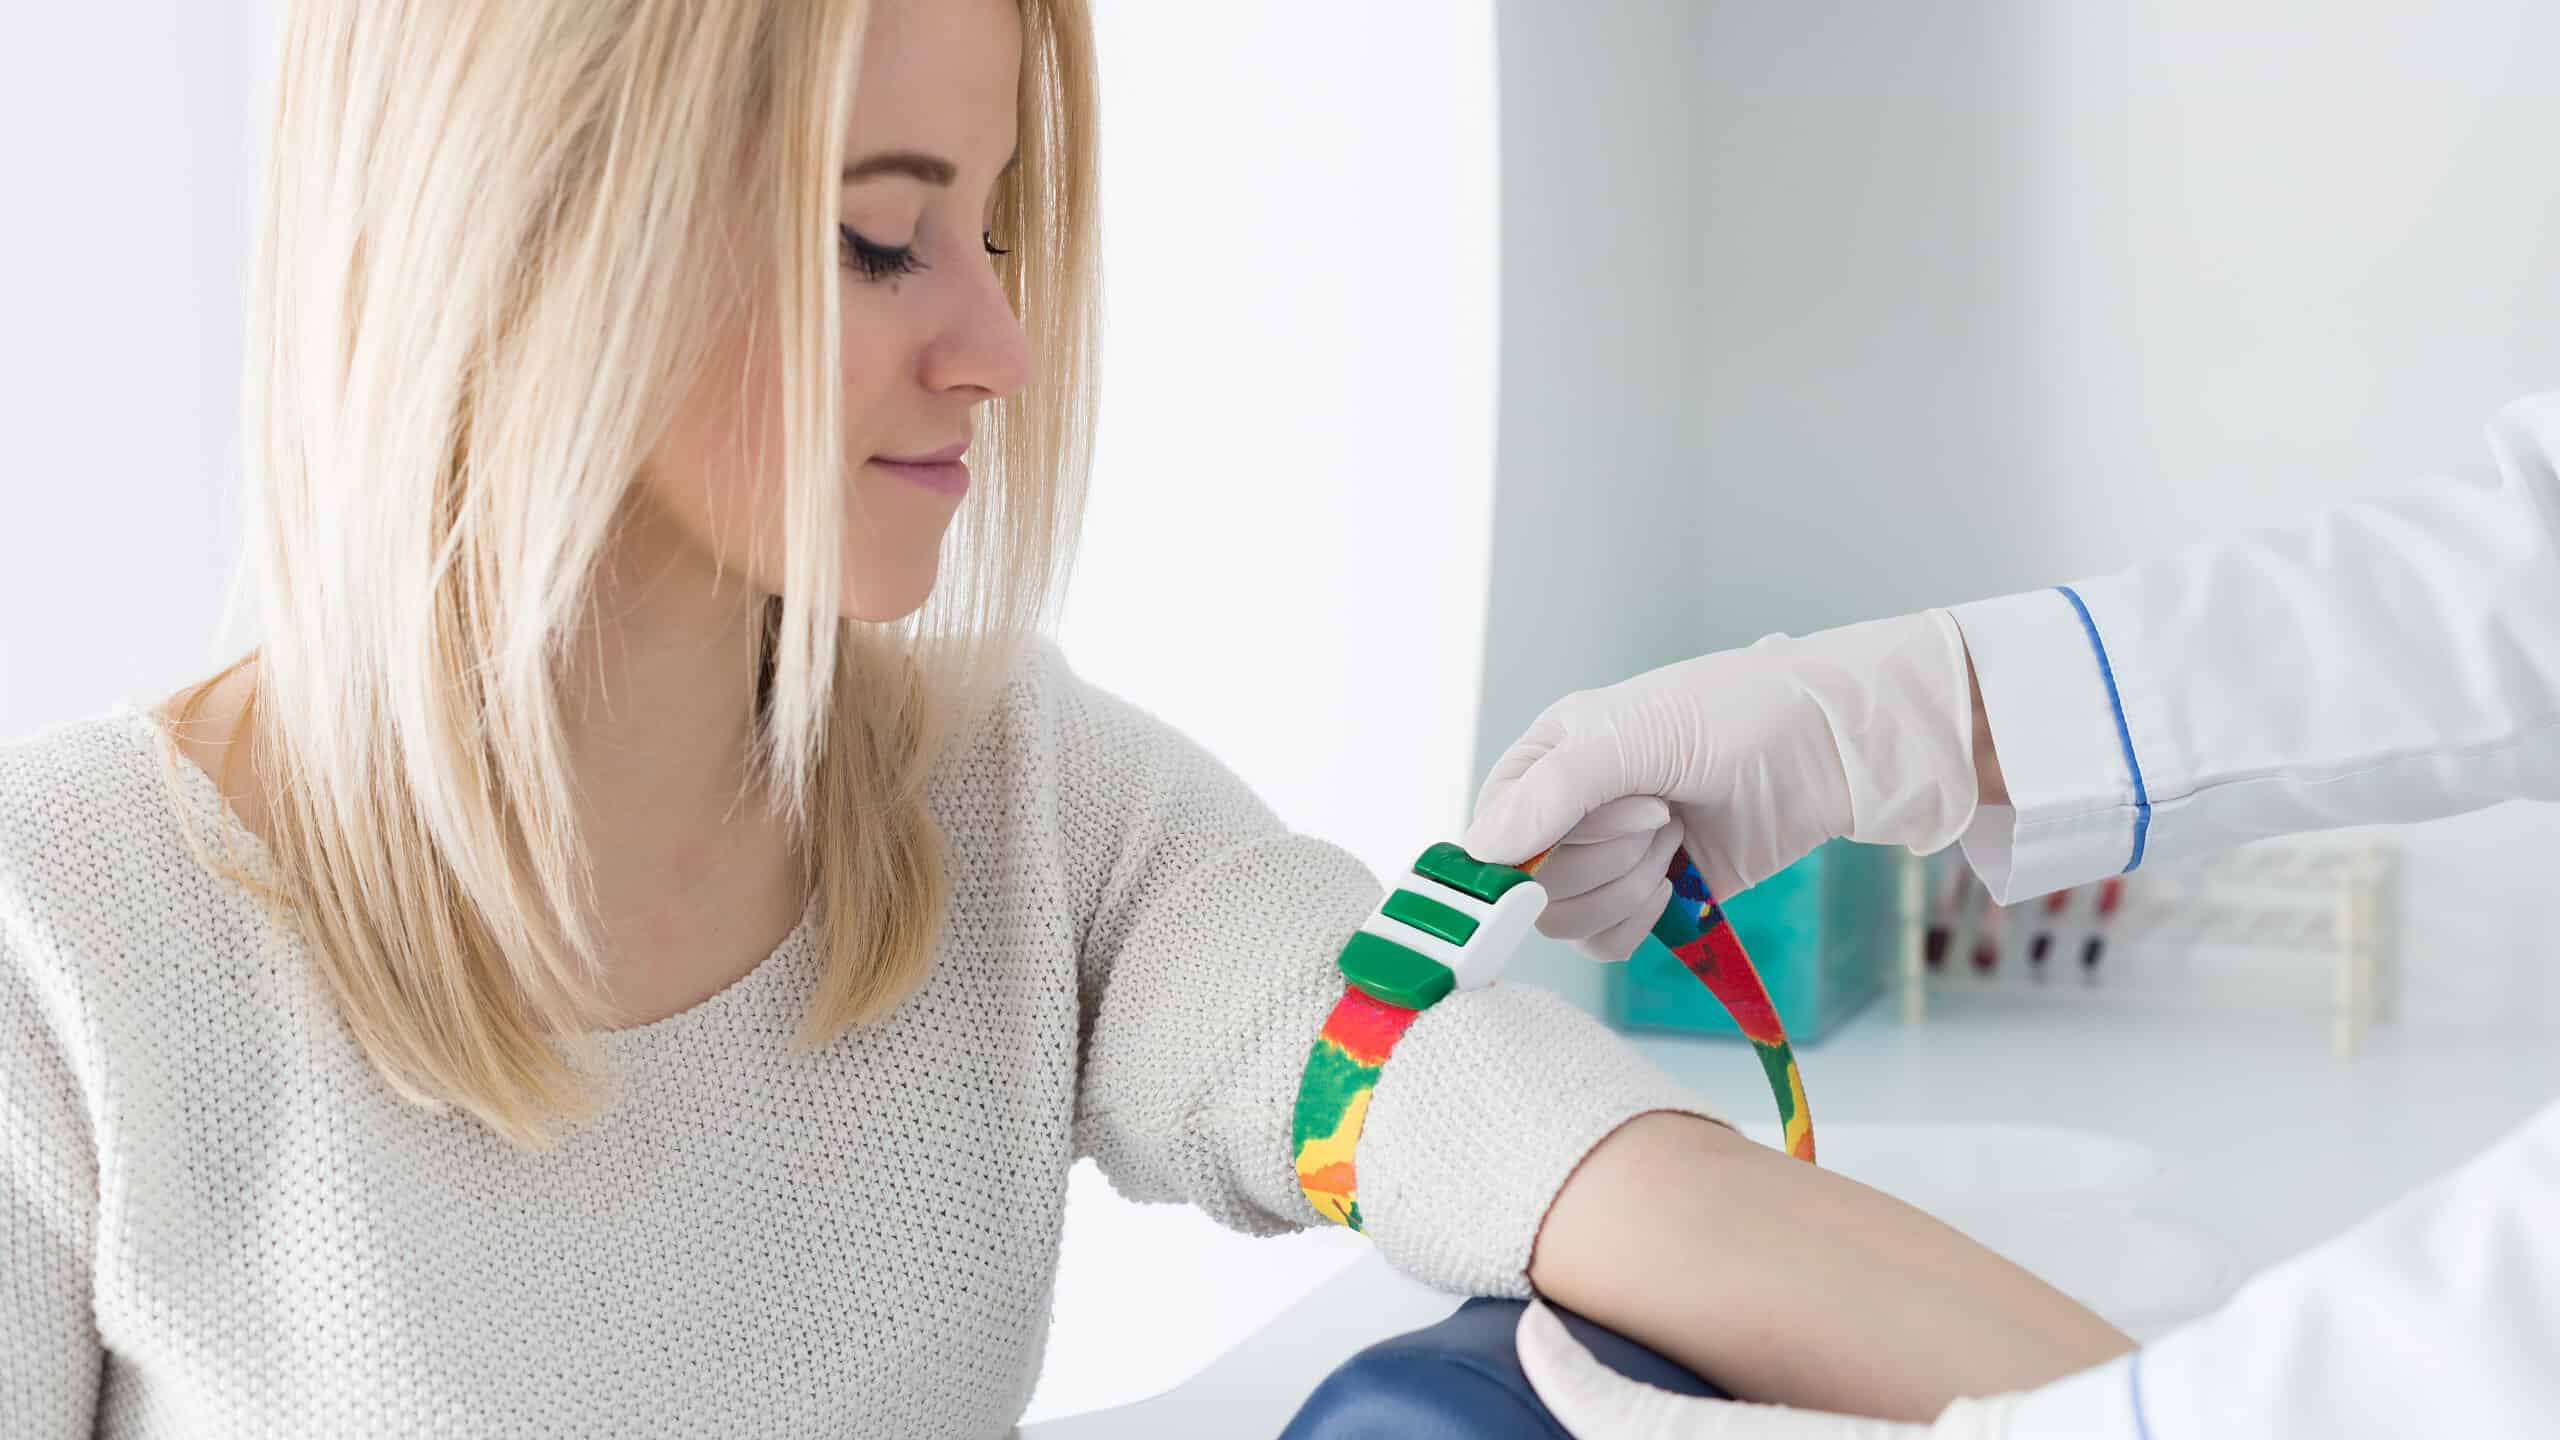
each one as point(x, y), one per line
point(1761, 754)
point(1593, 1402)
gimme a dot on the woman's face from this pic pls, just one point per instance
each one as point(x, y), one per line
point(928, 332)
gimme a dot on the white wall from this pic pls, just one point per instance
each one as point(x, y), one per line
point(2000, 293)
point(122, 276)
point(1288, 546)
point(1286, 552)
point(1600, 515)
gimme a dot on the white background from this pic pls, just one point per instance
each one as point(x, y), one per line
point(1462, 354)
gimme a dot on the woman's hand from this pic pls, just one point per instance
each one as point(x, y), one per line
point(1755, 756)
point(1593, 1402)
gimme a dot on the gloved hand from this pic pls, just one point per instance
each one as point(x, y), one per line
point(1593, 1402)
point(1758, 755)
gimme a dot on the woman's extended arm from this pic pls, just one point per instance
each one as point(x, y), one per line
point(1782, 1281)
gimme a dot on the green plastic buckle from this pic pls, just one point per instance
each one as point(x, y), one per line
point(1459, 870)
point(1388, 971)
point(1440, 922)
point(1402, 975)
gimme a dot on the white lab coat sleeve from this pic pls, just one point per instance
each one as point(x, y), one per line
point(2439, 1316)
point(2398, 659)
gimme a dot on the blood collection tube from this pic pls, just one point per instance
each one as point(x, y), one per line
point(1945, 910)
point(1987, 936)
point(2042, 945)
point(2110, 893)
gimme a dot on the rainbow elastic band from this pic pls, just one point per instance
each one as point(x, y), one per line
point(1452, 927)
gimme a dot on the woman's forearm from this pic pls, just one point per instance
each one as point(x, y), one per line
point(1785, 1282)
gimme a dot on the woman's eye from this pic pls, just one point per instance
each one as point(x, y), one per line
point(878, 262)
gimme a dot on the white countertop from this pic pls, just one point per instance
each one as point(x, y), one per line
point(2274, 1143)
point(2270, 1145)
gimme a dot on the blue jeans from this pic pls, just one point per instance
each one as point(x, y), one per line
point(1461, 1380)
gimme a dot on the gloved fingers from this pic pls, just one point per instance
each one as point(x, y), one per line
point(1626, 815)
point(1617, 898)
point(1544, 734)
point(1571, 870)
point(1534, 809)
point(1600, 848)
point(1723, 881)
point(1708, 851)
point(1619, 941)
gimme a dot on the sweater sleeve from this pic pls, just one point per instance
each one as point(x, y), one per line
point(1206, 962)
point(49, 1348)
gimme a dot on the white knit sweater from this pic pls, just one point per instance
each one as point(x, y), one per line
point(217, 1221)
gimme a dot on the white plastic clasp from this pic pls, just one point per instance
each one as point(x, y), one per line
point(1500, 927)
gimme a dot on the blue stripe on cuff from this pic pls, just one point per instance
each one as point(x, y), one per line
point(2133, 1387)
point(2124, 732)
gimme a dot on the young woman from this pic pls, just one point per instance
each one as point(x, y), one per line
point(637, 948)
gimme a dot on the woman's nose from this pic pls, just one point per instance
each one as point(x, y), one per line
point(984, 347)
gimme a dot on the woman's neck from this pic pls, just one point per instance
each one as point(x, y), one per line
point(696, 878)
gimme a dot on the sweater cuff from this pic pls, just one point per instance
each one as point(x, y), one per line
point(2098, 1403)
point(2051, 665)
point(1480, 1115)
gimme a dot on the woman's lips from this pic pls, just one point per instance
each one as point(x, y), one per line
point(947, 453)
point(942, 472)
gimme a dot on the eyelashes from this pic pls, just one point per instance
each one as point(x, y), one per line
point(880, 262)
point(877, 262)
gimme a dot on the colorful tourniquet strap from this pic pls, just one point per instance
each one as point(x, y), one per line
point(1352, 1047)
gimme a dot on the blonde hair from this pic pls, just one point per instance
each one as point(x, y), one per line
point(489, 260)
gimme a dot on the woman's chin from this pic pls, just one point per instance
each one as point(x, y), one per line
point(883, 599)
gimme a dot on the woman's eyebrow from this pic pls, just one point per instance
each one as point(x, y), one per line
point(931, 169)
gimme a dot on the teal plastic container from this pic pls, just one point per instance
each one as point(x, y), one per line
point(1824, 934)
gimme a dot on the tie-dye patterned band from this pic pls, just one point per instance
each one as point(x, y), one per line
point(1352, 1048)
